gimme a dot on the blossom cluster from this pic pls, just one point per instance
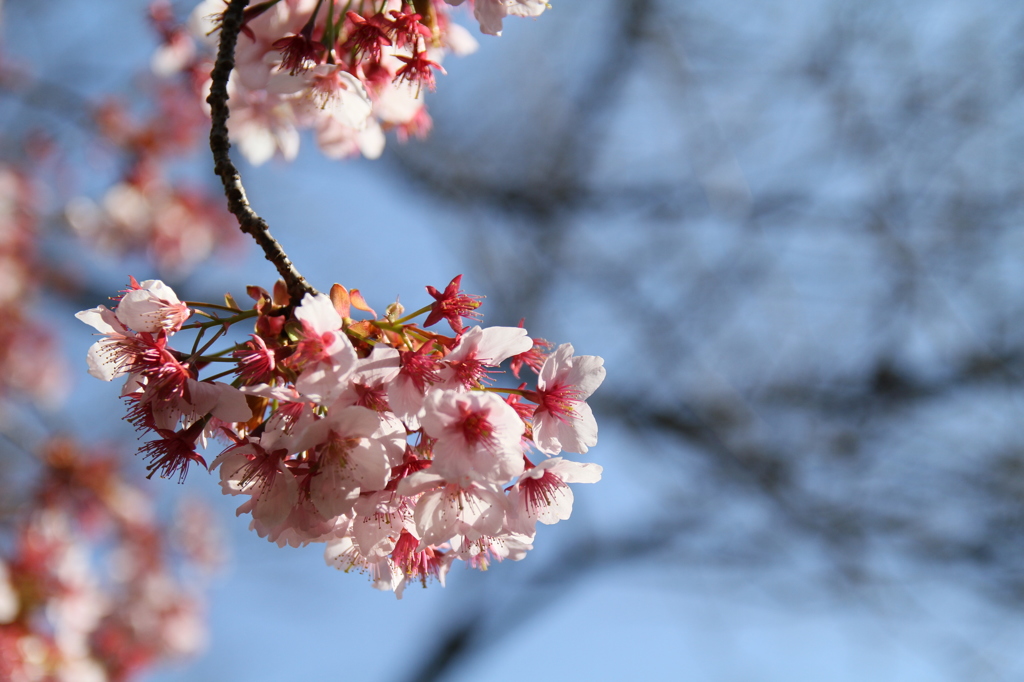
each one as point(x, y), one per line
point(393, 444)
point(347, 70)
point(90, 590)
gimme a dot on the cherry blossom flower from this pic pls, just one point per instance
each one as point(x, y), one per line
point(325, 91)
point(348, 459)
point(173, 452)
point(481, 552)
point(378, 519)
point(452, 305)
point(262, 124)
point(563, 420)
point(419, 371)
point(542, 494)
point(478, 436)
point(197, 399)
point(256, 363)
point(342, 553)
point(418, 69)
point(479, 348)
point(298, 52)
point(256, 468)
point(533, 358)
point(446, 509)
point(369, 35)
point(417, 562)
point(368, 383)
point(150, 307)
point(324, 356)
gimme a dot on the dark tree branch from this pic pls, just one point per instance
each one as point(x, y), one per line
point(249, 222)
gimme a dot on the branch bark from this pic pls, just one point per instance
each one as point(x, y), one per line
point(248, 221)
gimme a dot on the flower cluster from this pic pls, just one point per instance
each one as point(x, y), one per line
point(347, 70)
point(88, 588)
point(393, 444)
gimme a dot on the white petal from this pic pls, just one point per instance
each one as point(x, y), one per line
point(576, 472)
point(436, 515)
point(276, 503)
point(101, 319)
point(586, 374)
point(319, 313)
point(556, 366)
point(99, 363)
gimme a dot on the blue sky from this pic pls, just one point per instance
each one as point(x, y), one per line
point(280, 614)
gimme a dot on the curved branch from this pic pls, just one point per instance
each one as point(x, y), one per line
point(249, 222)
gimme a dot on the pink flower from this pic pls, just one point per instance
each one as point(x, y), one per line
point(418, 69)
point(368, 36)
point(368, 384)
point(533, 358)
point(106, 357)
point(172, 453)
point(478, 436)
point(446, 509)
point(452, 305)
point(378, 519)
point(483, 551)
point(419, 371)
point(324, 357)
point(325, 91)
point(562, 420)
point(348, 459)
point(408, 28)
point(417, 562)
point(342, 553)
point(197, 399)
point(256, 467)
point(151, 307)
point(256, 362)
point(298, 52)
point(542, 494)
point(262, 124)
point(261, 468)
point(480, 348)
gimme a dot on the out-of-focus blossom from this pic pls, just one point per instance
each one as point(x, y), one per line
point(89, 588)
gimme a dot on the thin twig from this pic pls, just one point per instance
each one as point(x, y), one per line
point(249, 222)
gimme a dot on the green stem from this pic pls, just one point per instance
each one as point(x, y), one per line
point(515, 391)
point(218, 376)
point(195, 346)
point(330, 33)
point(197, 304)
point(244, 315)
point(220, 333)
point(231, 349)
point(419, 312)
